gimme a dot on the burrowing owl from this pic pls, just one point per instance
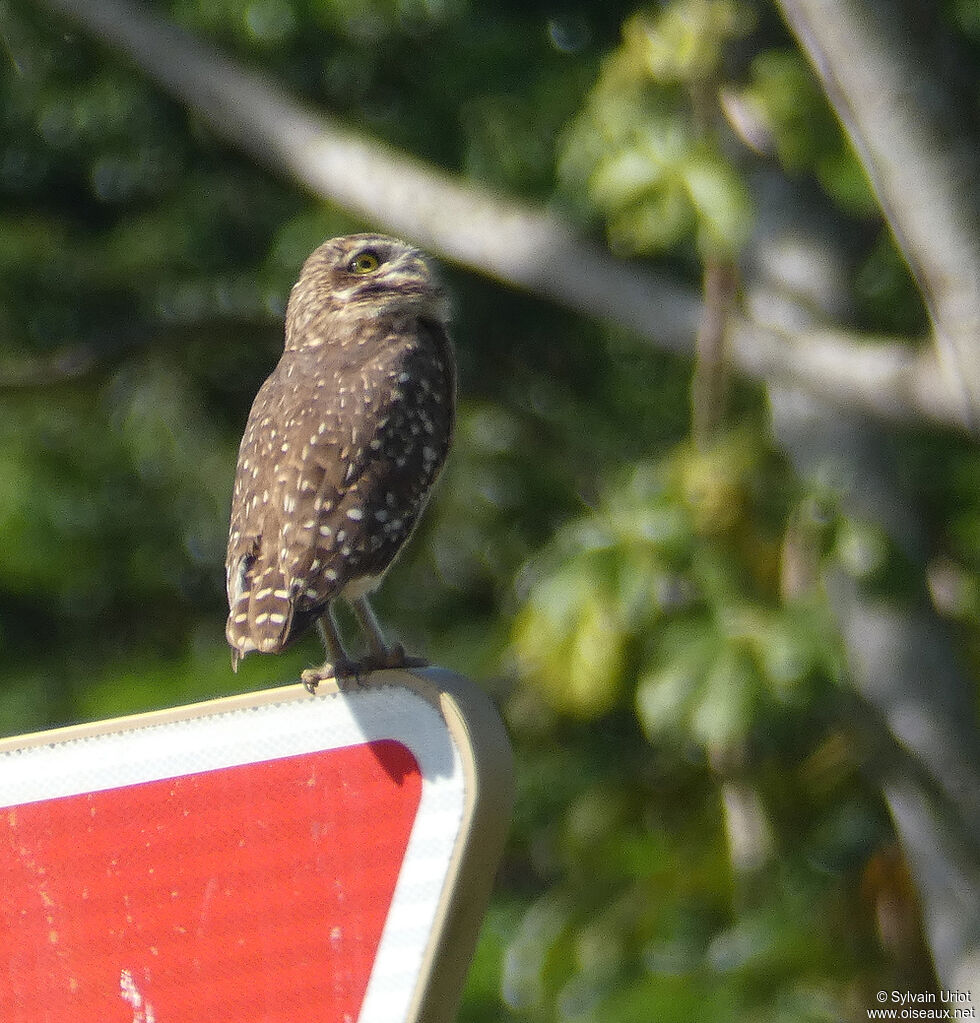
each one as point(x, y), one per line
point(343, 444)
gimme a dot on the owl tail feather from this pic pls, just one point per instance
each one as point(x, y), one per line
point(261, 616)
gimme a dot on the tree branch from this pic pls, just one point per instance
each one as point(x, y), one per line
point(902, 658)
point(517, 244)
point(904, 666)
point(925, 178)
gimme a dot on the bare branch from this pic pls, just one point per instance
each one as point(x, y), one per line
point(517, 244)
point(902, 658)
point(886, 379)
point(903, 665)
point(513, 243)
point(925, 178)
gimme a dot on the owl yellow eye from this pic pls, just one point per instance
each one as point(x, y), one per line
point(364, 263)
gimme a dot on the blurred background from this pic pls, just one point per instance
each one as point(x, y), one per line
point(703, 602)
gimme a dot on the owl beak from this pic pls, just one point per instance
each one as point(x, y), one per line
point(419, 280)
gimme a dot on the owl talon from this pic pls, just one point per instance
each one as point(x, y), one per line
point(312, 677)
point(347, 675)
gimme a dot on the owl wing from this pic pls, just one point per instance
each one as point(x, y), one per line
point(258, 598)
point(332, 476)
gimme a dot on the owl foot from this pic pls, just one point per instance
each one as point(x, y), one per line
point(391, 657)
point(347, 675)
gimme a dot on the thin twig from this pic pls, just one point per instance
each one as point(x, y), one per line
point(66, 363)
point(710, 380)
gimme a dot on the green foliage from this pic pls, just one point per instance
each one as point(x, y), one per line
point(640, 151)
point(641, 913)
point(671, 582)
point(648, 613)
point(804, 131)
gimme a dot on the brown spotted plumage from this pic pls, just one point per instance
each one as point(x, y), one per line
point(343, 444)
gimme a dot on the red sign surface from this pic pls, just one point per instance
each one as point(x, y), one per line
point(246, 893)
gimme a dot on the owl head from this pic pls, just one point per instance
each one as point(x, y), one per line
point(361, 277)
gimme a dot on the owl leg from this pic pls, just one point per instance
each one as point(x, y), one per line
point(382, 655)
point(338, 665)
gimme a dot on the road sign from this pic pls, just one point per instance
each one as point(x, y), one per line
point(271, 858)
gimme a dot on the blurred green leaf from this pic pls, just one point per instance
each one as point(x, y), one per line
point(806, 134)
point(723, 715)
point(685, 40)
point(638, 152)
